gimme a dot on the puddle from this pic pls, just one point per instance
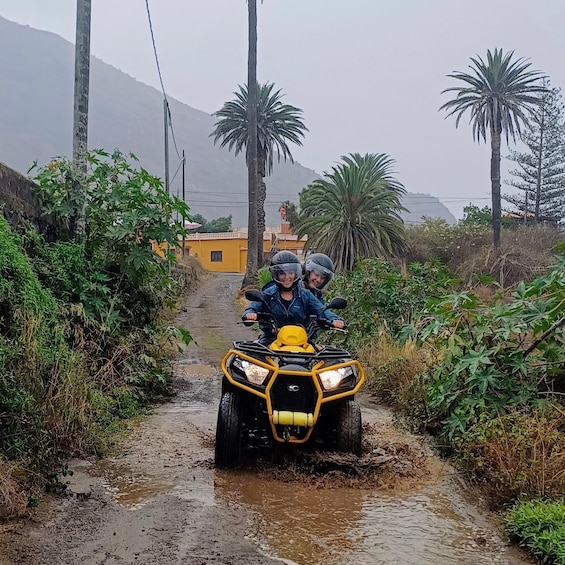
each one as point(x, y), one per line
point(314, 514)
point(316, 526)
point(129, 489)
point(193, 369)
point(186, 407)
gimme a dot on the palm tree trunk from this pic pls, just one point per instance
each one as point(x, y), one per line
point(261, 198)
point(495, 186)
point(251, 265)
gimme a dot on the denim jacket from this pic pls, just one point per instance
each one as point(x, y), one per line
point(318, 294)
point(303, 305)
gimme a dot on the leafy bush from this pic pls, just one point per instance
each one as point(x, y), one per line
point(539, 526)
point(82, 342)
point(380, 295)
point(118, 277)
point(494, 358)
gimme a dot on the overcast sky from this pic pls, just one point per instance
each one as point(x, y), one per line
point(368, 74)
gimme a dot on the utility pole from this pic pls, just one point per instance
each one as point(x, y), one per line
point(80, 116)
point(183, 198)
point(167, 187)
point(166, 125)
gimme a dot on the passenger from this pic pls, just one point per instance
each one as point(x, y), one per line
point(288, 301)
point(317, 272)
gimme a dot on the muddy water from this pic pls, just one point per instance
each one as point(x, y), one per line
point(425, 518)
point(363, 527)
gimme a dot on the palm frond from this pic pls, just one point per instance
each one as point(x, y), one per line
point(500, 95)
point(278, 124)
point(354, 210)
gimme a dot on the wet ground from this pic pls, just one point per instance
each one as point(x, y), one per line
point(160, 501)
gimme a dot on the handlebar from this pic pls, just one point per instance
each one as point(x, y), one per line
point(326, 324)
point(261, 316)
point(314, 323)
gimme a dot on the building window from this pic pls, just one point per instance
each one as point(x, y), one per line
point(216, 256)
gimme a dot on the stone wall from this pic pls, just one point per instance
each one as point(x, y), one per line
point(187, 272)
point(19, 204)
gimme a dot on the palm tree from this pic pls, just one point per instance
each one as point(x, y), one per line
point(277, 125)
point(354, 211)
point(501, 95)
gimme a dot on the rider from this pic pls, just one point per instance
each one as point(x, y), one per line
point(317, 272)
point(289, 301)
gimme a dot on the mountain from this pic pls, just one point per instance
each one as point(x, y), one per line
point(36, 110)
point(422, 206)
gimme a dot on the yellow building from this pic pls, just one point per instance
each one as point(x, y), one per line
point(227, 252)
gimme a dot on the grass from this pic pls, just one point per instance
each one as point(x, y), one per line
point(517, 454)
point(393, 376)
point(17, 488)
point(539, 526)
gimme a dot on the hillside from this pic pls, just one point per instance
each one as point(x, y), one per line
point(36, 108)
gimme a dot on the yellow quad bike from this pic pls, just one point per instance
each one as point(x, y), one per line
point(288, 392)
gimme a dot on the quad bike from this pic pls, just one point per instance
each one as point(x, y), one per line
point(289, 392)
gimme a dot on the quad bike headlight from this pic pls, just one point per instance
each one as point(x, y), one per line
point(254, 373)
point(334, 377)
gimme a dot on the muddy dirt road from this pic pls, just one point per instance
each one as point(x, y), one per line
point(161, 502)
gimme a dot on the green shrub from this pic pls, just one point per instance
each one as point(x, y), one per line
point(539, 526)
point(264, 276)
point(495, 357)
point(380, 296)
point(82, 343)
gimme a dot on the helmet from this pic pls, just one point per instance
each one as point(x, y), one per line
point(321, 264)
point(285, 262)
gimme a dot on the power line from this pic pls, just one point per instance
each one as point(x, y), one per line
point(407, 200)
point(161, 79)
point(176, 172)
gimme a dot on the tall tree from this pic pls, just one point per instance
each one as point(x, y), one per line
point(354, 211)
point(277, 125)
point(219, 225)
point(254, 247)
point(540, 177)
point(501, 94)
point(290, 214)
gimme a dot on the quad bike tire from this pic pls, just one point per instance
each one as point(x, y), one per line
point(227, 451)
point(349, 430)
